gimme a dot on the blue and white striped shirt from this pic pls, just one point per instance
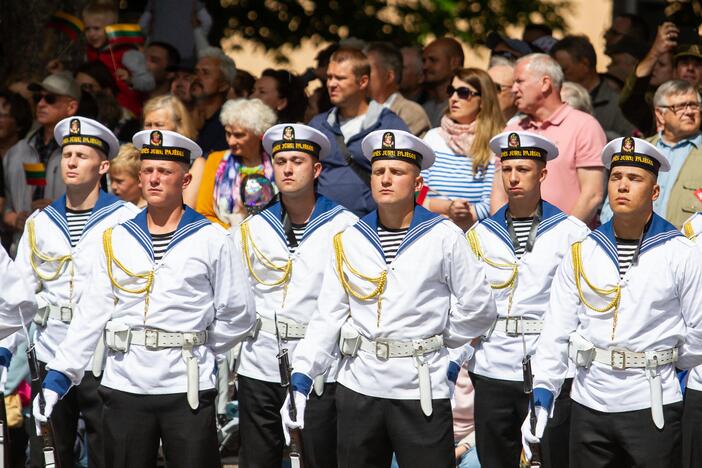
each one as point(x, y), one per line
point(452, 176)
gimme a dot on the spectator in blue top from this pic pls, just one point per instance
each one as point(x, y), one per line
point(460, 181)
point(346, 173)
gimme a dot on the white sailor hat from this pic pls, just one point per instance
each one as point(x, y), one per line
point(164, 145)
point(296, 137)
point(397, 145)
point(630, 151)
point(83, 131)
point(523, 145)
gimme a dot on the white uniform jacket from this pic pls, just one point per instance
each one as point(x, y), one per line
point(500, 356)
point(198, 285)
point(659, 309)
point(53, 240)
point(693, 230)
point(15, 294)
point(297, 300)
point(432, 263)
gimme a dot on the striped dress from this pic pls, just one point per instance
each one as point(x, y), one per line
point(452, 176)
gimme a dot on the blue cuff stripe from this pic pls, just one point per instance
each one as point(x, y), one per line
point(57, 382)
point(453, 370)
point(301, 383)
point(543, 398)
point(5, 357)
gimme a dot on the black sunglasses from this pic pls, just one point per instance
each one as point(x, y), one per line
point(48, 97)
point(463, 92)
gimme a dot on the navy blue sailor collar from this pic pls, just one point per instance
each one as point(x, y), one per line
point(106, 205)
point(324, 210)
point(422, 222)
point(659, 231)
point(189, 224)
point(551, 215)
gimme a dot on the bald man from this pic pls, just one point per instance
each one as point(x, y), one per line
point(441, 58)
point(502, 73)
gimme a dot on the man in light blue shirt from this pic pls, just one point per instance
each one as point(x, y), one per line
point(677, 107)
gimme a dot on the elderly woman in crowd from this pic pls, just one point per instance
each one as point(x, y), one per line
point(283, 92)
point(124, 175)
point(576, 96)
point(169, 113)
point(460, 180)
point(227, 173)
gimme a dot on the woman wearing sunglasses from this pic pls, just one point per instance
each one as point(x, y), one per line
point(460, 181)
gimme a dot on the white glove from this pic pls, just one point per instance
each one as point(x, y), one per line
point(51, 398)
point(533, 438)
point(288, 422)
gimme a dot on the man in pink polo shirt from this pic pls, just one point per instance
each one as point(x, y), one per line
point(576, 178)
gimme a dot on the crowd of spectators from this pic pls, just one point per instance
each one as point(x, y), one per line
point(535, 83)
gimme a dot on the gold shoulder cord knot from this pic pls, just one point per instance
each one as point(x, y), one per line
point(477, 249)
point(246, 241)
point(689, 231)
point(148, 276)
point(61, 261)
point(579, 272)
point(379, 281)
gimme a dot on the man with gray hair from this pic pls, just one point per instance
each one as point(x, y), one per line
point(576, 177)
point(677, 110)
point(214, 75)
point(384, 88)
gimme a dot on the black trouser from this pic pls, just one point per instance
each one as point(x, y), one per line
point(81, 400)
point(626, 439)
point(370, 429)
point(500, 409)
point(261, 429)
point(134, 424)
point(692, 429)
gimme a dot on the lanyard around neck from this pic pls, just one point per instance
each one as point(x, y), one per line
point(532, 232)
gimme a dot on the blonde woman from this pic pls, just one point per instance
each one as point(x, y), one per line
point(124, 175)
point(169, 113)
point(460, 181)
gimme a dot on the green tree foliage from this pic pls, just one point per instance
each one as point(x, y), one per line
point(275, 23)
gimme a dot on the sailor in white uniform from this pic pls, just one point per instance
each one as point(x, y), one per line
point(386, 299)
point(286, 248)
point(167, 292)
point(15, 295)
point(521, 245)
point(625, 308)
point(692, 410)
point(55, 256)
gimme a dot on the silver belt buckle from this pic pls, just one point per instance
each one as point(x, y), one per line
point(516, 320)
point(382, 350)
point(66, 313)
point(613, 354)
point(151, 339)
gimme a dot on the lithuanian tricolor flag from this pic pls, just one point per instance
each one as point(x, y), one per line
point(68, 24)
point(119, 34)
point(421, 195)
point(35, 174)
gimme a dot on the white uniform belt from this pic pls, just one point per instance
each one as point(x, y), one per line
point(387, 349)
point(158, 339)
point(64, 313)
point(583, 353)
point(624, 359)
point(516, 326)
point(119, 337)
point(287, 329)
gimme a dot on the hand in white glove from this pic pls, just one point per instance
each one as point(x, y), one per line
point(533, 438)
point(288, 422)
point(51, 398)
